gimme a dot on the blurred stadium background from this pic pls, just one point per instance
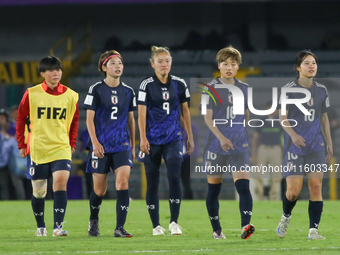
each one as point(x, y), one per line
point(268, 34)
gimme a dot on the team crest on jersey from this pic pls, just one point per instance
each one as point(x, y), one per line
point(94, 164)
point(32, 170)
point(166, 95)
point(310, 102)
point(114, 99)
point(230, 98)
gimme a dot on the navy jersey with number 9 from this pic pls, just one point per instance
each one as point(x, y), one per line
point(111, 106)
point(163, 101)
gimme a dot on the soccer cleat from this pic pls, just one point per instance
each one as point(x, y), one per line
point(218, 235)
point(247, 231)
point(175, 229)
point(158, 231)
point(93, 228)
point(41, 232)
point(59, 230)
point(282, 229)
point(121, 232)
point(314, 234)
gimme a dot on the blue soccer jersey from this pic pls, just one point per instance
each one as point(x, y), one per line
point(163, 101)
point(308, 126)
point(111, 106)
point(234, 129)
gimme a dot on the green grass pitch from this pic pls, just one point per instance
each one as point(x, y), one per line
point(18, 227)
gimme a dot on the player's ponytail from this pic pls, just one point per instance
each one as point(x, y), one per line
point(155, 50)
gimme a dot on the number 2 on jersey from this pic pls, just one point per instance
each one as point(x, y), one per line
point(166, 107)
point(114, 111)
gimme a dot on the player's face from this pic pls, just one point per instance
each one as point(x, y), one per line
point(3, 121)
point(162, 64)
point(114, 67)
point(308, 67)
point(52, 77)
point(228, 68)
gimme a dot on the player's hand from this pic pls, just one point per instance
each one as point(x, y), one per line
point(190, 146)
point(23, 153)
point(298, 141)
point(329, 153)
point(73, 150)
point(133, 154)
point(226, 144)
point(145, 146)
point(98, 150)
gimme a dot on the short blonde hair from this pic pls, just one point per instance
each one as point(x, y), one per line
point(155, 50)
point(104, 56)
point(228, 52)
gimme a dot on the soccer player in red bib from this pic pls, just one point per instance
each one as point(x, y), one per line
point(53, 112)
point(109, 108)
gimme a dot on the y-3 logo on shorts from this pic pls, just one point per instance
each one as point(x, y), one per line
point(95, 207)
point(61, 210)
point(39, 214)
point(213, 217)
point(247, 212)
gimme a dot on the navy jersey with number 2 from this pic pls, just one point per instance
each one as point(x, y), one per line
point(111, 106)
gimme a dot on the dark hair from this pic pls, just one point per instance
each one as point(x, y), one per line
point(104, 57)
point(14, 107)
point(50, 63)
point(4, 112)
point(302, 55)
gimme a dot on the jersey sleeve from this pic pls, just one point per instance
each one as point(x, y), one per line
point(279, 100)
point(142, 94)
point(133, 104)
point(325, 104)
point(184, 95)
point(210, 102)
point(23, 112)
point(90, 100)
point(245, 93)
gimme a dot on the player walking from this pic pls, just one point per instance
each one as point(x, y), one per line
point(227, 145)
point(162, 98)
point(53, 112)
point(304, 146)
point(109, 118)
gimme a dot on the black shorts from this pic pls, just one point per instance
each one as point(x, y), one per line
point(43, 171)
point(304, 164)
point(110, 161)
point(171, 152)
point(216, 164)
